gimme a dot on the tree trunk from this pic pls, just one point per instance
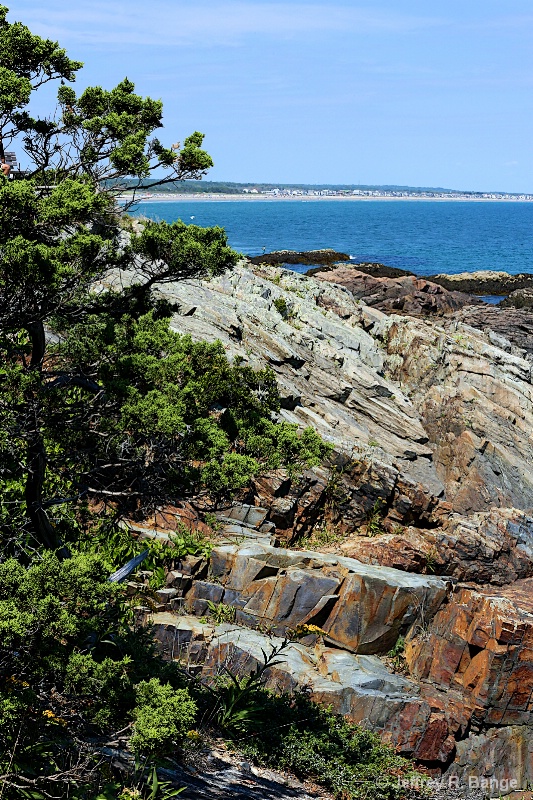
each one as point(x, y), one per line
point(38, 344)
point(36, 453)
point(42, 527)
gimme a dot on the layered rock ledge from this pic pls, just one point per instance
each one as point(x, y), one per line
point(423, 515)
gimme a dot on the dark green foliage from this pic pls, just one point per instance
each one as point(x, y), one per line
point(104, 411)
point(26, 62)
point(143, 783)
point(173, 414)
point(187, 250)
point(241, 701)
point(123, 411)
point(281, 307)
point(72, 668)
point(312, 742)
point(116, 546)
point(60, 233)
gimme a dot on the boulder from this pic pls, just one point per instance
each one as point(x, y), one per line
point(405, 294)
point(498, 761)
point(483, 282)
point(520, 298)
point(361, 608)
point(490, 547)
point(357, 686)
point(325, 256)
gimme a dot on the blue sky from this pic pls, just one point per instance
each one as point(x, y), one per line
point(390, 91)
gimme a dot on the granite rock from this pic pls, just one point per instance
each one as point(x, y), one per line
point(405, 294)
point(489, 547)
point(357, 686)
point(431, 422)
point(324, 256)
point(484, 282)
point(360, 607)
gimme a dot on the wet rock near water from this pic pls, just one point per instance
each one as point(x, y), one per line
point(520, 298)
point(483, 282)
point(324, 256)
point(374, 268)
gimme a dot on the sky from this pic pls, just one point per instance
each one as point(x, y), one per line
point(331, 91)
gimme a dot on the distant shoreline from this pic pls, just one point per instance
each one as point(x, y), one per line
point(254, 198)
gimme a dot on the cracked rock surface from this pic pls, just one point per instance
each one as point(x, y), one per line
point(429, 489)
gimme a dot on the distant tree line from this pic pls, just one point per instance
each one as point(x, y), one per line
point(227, 187)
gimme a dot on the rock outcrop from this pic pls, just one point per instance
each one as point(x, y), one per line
point(374, 268)
point(361, 608)
point(489, 547)
point(424, 511)
point(510, 329)
point(357, 686)
point(481, 646)
point(325, 256)
point(399, 295)
point(484, 282)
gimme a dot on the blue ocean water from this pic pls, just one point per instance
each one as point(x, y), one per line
point(425, 237)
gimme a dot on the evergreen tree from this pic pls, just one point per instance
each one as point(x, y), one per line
point(97, 397)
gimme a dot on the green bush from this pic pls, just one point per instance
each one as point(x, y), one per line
point(280, 304)
point(103, 687)
point(175, 413)
point(163, 716)
point(115, 545)
point(311, 741)
point(70, 663)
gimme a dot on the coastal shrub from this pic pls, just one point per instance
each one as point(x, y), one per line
point(173, 414)
point(70, 663)
point(282, 307)
point(103, 688)
point(163, 716)
point(241, 700)
point(312, 742)
point(116, 546)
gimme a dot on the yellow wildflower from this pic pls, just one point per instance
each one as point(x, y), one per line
point(306, 630)
point(18, 682)
point(49, 714)
point(130, 794)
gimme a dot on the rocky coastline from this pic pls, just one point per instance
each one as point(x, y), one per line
point(416, 539)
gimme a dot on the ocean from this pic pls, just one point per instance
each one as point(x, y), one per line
point(425, 237)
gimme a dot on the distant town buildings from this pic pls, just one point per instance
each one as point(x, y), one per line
point(280, 192)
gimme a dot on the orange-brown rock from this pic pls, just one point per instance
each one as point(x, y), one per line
point(406, 294)
point(361, 608)
point(493, 547)
point(481, 645)
point(357, 686)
